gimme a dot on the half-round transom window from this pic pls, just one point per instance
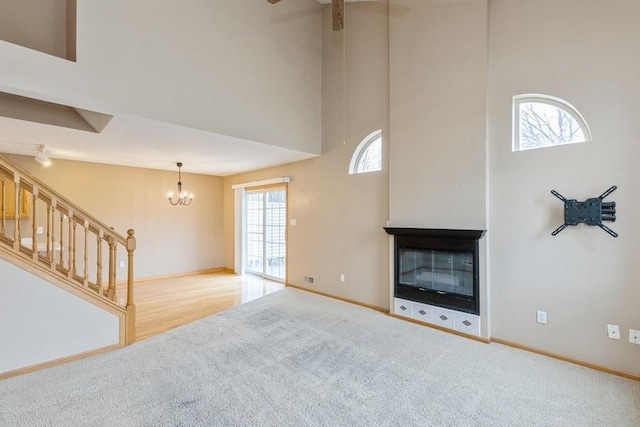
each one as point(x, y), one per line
point(368, 155)
point(545, 121)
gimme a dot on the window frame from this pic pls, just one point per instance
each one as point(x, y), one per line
point(553, 101)
point(361, 149)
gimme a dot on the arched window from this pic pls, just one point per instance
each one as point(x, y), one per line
point(368, 155)
point(545, 121)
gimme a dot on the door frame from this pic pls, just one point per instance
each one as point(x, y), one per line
point(240, 221)
point(265, 191)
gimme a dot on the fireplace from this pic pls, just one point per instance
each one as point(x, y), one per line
point(437, 267)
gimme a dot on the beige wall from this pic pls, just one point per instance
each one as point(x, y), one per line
point(438, 112)
point(438, 120)
point(170, 239)
point(442, 116)
point(584, 51)
point(242, 68)
point(36, 24)
point(438, 169)
point(339, 217)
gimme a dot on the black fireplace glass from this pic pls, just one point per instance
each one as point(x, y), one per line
point(435, 270)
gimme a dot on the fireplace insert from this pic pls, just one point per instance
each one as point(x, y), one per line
point(437, 267)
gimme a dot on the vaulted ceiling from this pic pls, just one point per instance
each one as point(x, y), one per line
point(222, 87)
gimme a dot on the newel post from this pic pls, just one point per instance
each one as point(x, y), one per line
point(130, 334)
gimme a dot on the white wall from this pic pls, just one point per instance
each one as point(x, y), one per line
point(242, 68)
point(586, 52)
point(43, 322)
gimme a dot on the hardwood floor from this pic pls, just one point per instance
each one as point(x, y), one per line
point(164, 304)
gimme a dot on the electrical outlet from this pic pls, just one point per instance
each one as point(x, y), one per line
point(613, 332)
point(342, 278)
point(121, 264)
point(40, 230)
point(541, 317)
point(310, 279)
point(634, 336)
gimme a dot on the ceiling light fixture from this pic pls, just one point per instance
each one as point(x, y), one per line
point(42, 157)
point(184, 198)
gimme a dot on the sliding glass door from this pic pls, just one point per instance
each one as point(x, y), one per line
point(266, 247)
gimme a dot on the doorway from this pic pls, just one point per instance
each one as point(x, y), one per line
point(266, 246)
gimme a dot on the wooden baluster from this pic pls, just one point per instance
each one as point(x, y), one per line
point(72, 244)
point(61, 239)
point(49, 242)
point(4, 209)
point(115, 267)
point(34, 224)
point(130, 333)
point(112, 269)
point(24, 186)
point(54, 209)
point(99, 238)
point(86, 253)
point(16, 214)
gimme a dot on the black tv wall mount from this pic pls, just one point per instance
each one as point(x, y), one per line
point(591, 212)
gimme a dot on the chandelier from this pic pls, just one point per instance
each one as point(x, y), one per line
point(184, 198)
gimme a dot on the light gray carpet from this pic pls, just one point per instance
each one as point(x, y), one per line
point(298, 359)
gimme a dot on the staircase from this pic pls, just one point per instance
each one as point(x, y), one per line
point(46, 234)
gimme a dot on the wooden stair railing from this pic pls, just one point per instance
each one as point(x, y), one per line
point(46, 229)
